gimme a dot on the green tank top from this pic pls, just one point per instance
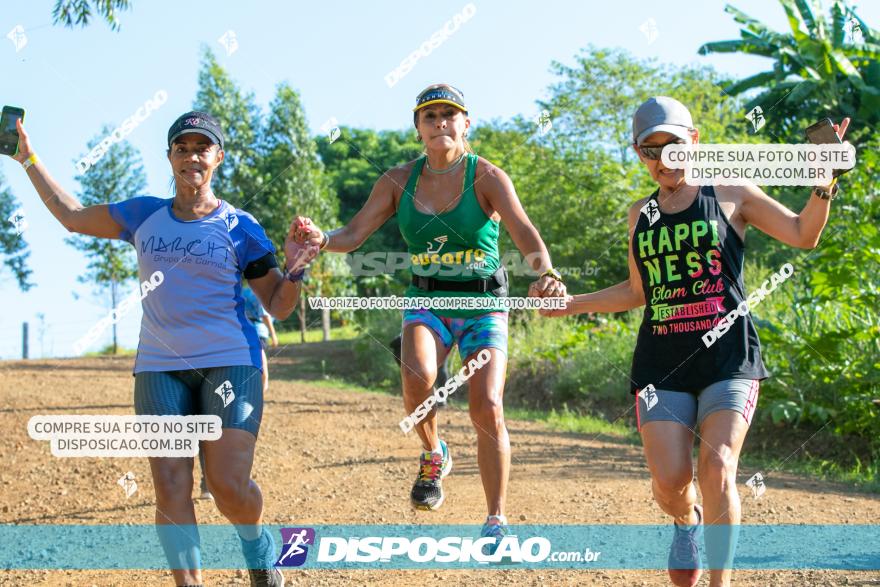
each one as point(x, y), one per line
point(458, 245)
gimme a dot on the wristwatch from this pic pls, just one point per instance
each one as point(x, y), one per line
point(821, 192)
point(552, 273)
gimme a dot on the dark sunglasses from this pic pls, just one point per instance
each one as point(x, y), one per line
point(654, 153)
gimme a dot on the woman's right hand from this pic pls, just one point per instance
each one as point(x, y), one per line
point(24, 143)
point(307, 233)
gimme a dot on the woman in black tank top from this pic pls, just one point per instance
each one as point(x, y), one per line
point(685, 266)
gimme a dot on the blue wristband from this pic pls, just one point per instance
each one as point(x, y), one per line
point(295, 277)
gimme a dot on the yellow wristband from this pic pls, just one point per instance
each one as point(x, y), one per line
point(32, 160)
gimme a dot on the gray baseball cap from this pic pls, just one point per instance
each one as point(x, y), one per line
point(661, 114)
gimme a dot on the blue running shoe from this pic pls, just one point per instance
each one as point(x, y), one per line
point(685, 566)
point(495, 527)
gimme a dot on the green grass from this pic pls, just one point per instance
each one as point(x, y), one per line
point(568, 421)
point(346, 332)
point(339, 384)
point(108, 351)
point(862, 479)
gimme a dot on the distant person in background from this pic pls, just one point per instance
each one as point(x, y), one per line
point(262, 321)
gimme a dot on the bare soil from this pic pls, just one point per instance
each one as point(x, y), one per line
point(330, 456)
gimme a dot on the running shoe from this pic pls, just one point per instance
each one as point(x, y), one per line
point(495, 527)
point(260, 556)
point(266, 578)
point(427, 492)
point(685, 566)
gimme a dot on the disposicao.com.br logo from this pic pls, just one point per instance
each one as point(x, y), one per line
point(339, 550)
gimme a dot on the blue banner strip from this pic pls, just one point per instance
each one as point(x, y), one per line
point(61, 546)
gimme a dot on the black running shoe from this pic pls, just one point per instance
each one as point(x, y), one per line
point(427, 492)
point(266, 578)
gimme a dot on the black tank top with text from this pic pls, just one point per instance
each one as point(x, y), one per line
point(691, 267)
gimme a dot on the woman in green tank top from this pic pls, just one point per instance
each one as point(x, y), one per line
point(450, 204)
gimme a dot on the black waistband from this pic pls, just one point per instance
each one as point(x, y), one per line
point(471, 285)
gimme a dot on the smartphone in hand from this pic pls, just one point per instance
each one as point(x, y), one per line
point(8, 131)
point(823, 133)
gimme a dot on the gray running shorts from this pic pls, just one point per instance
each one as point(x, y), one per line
point(739, 395)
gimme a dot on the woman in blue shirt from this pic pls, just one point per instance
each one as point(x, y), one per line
point(197, 353)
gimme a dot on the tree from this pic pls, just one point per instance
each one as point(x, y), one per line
point(293, 182)
point(355, 161)
point(821, 334)
point(237, 180)
point(818, 68)
point(13, 247)
point(118, 176)
point(578, 177)
point(72, 13)
point(593, 104)
point(271, 168)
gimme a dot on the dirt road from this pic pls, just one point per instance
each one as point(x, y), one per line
point(337, 457)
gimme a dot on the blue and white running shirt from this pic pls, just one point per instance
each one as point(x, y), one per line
point(195, 318)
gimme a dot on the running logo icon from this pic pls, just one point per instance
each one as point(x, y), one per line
point(756, 117)
point(128, 484)
point(225, 392)
point(331, 129)
point(18, 38)
point(756, 484)
point(17, 220)
point(544, 122)
point(229, 42)
point(440, 239)
point(295, 550)
point(651, 210)
point(231, 221)
point(649, 396)
point(650, 30)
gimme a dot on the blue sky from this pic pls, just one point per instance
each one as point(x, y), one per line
point(336, 54)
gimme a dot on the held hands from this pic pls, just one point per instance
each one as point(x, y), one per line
point(306, 233)
point(548, 287)
point(298, 253)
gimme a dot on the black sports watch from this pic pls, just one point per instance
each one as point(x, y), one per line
point(824, 194)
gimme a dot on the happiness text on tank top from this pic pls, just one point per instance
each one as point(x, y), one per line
point(685, 288)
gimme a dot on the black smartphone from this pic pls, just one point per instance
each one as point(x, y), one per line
point(822, 133)
point(8, 131)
